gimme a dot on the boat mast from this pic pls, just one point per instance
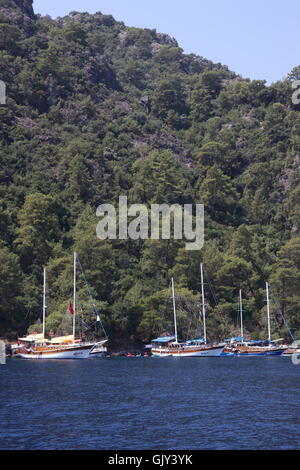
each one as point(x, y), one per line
point(203, 303)
point(44, 304)
point(74, 296)
point(241, 313)
point(174, 308)
point(268, 311)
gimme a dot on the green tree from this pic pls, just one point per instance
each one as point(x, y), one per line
point(10, 37)
point(160, 178)
point(169, 95)
point(11, 277)
point(75, 32)
point(293, 208)
point(219, 196)
point(200, 103)
point(212, 80)
point(286, 280)
point(39, 229)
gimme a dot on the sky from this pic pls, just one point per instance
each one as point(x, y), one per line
point(257, 39)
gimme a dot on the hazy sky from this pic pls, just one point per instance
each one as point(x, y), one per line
point(255, 38)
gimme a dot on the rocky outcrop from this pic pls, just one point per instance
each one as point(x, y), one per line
point(18, 13)
point(26, 6)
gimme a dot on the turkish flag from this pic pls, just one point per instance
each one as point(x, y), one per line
point(71, 309)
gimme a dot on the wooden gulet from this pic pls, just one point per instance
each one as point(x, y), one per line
point(58, 348)
point(167, 347)
point(248, 348)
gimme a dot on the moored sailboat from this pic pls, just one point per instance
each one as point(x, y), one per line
point(240, 347)
point(169, 346)
point(67, 347)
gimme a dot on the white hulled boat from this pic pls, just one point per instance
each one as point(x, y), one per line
point(53, 351)
point(100, 349)
point(169, 346)
point(66, 347)
point(240, 347)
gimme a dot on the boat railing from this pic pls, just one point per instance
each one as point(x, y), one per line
point(53, 347)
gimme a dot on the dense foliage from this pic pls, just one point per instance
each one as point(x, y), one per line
point(96, 110)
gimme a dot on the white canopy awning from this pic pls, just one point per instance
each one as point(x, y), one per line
point(32, 338)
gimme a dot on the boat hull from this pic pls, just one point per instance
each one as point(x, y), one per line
point(247, 351)
point(188, 352)
point(99, 350)
point(97, 355)
point(265, 353)
point(81, 352)
point(291, 352)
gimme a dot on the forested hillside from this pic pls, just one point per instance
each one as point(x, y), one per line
point(96, 110)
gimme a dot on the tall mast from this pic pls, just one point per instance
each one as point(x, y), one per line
point(174, 308)
point(268, 311)
point(203, 303)
point(44, 304)
point(74, 297)
point(241, 313)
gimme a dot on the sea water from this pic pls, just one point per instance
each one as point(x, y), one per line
point(150, 403)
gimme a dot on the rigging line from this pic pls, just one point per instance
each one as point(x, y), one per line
point(210, 285)
point(91, 297)
point(276, 301)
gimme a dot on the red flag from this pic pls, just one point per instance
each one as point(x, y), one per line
point(71, 309)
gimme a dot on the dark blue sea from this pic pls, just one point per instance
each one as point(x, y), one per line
point(147, 403)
